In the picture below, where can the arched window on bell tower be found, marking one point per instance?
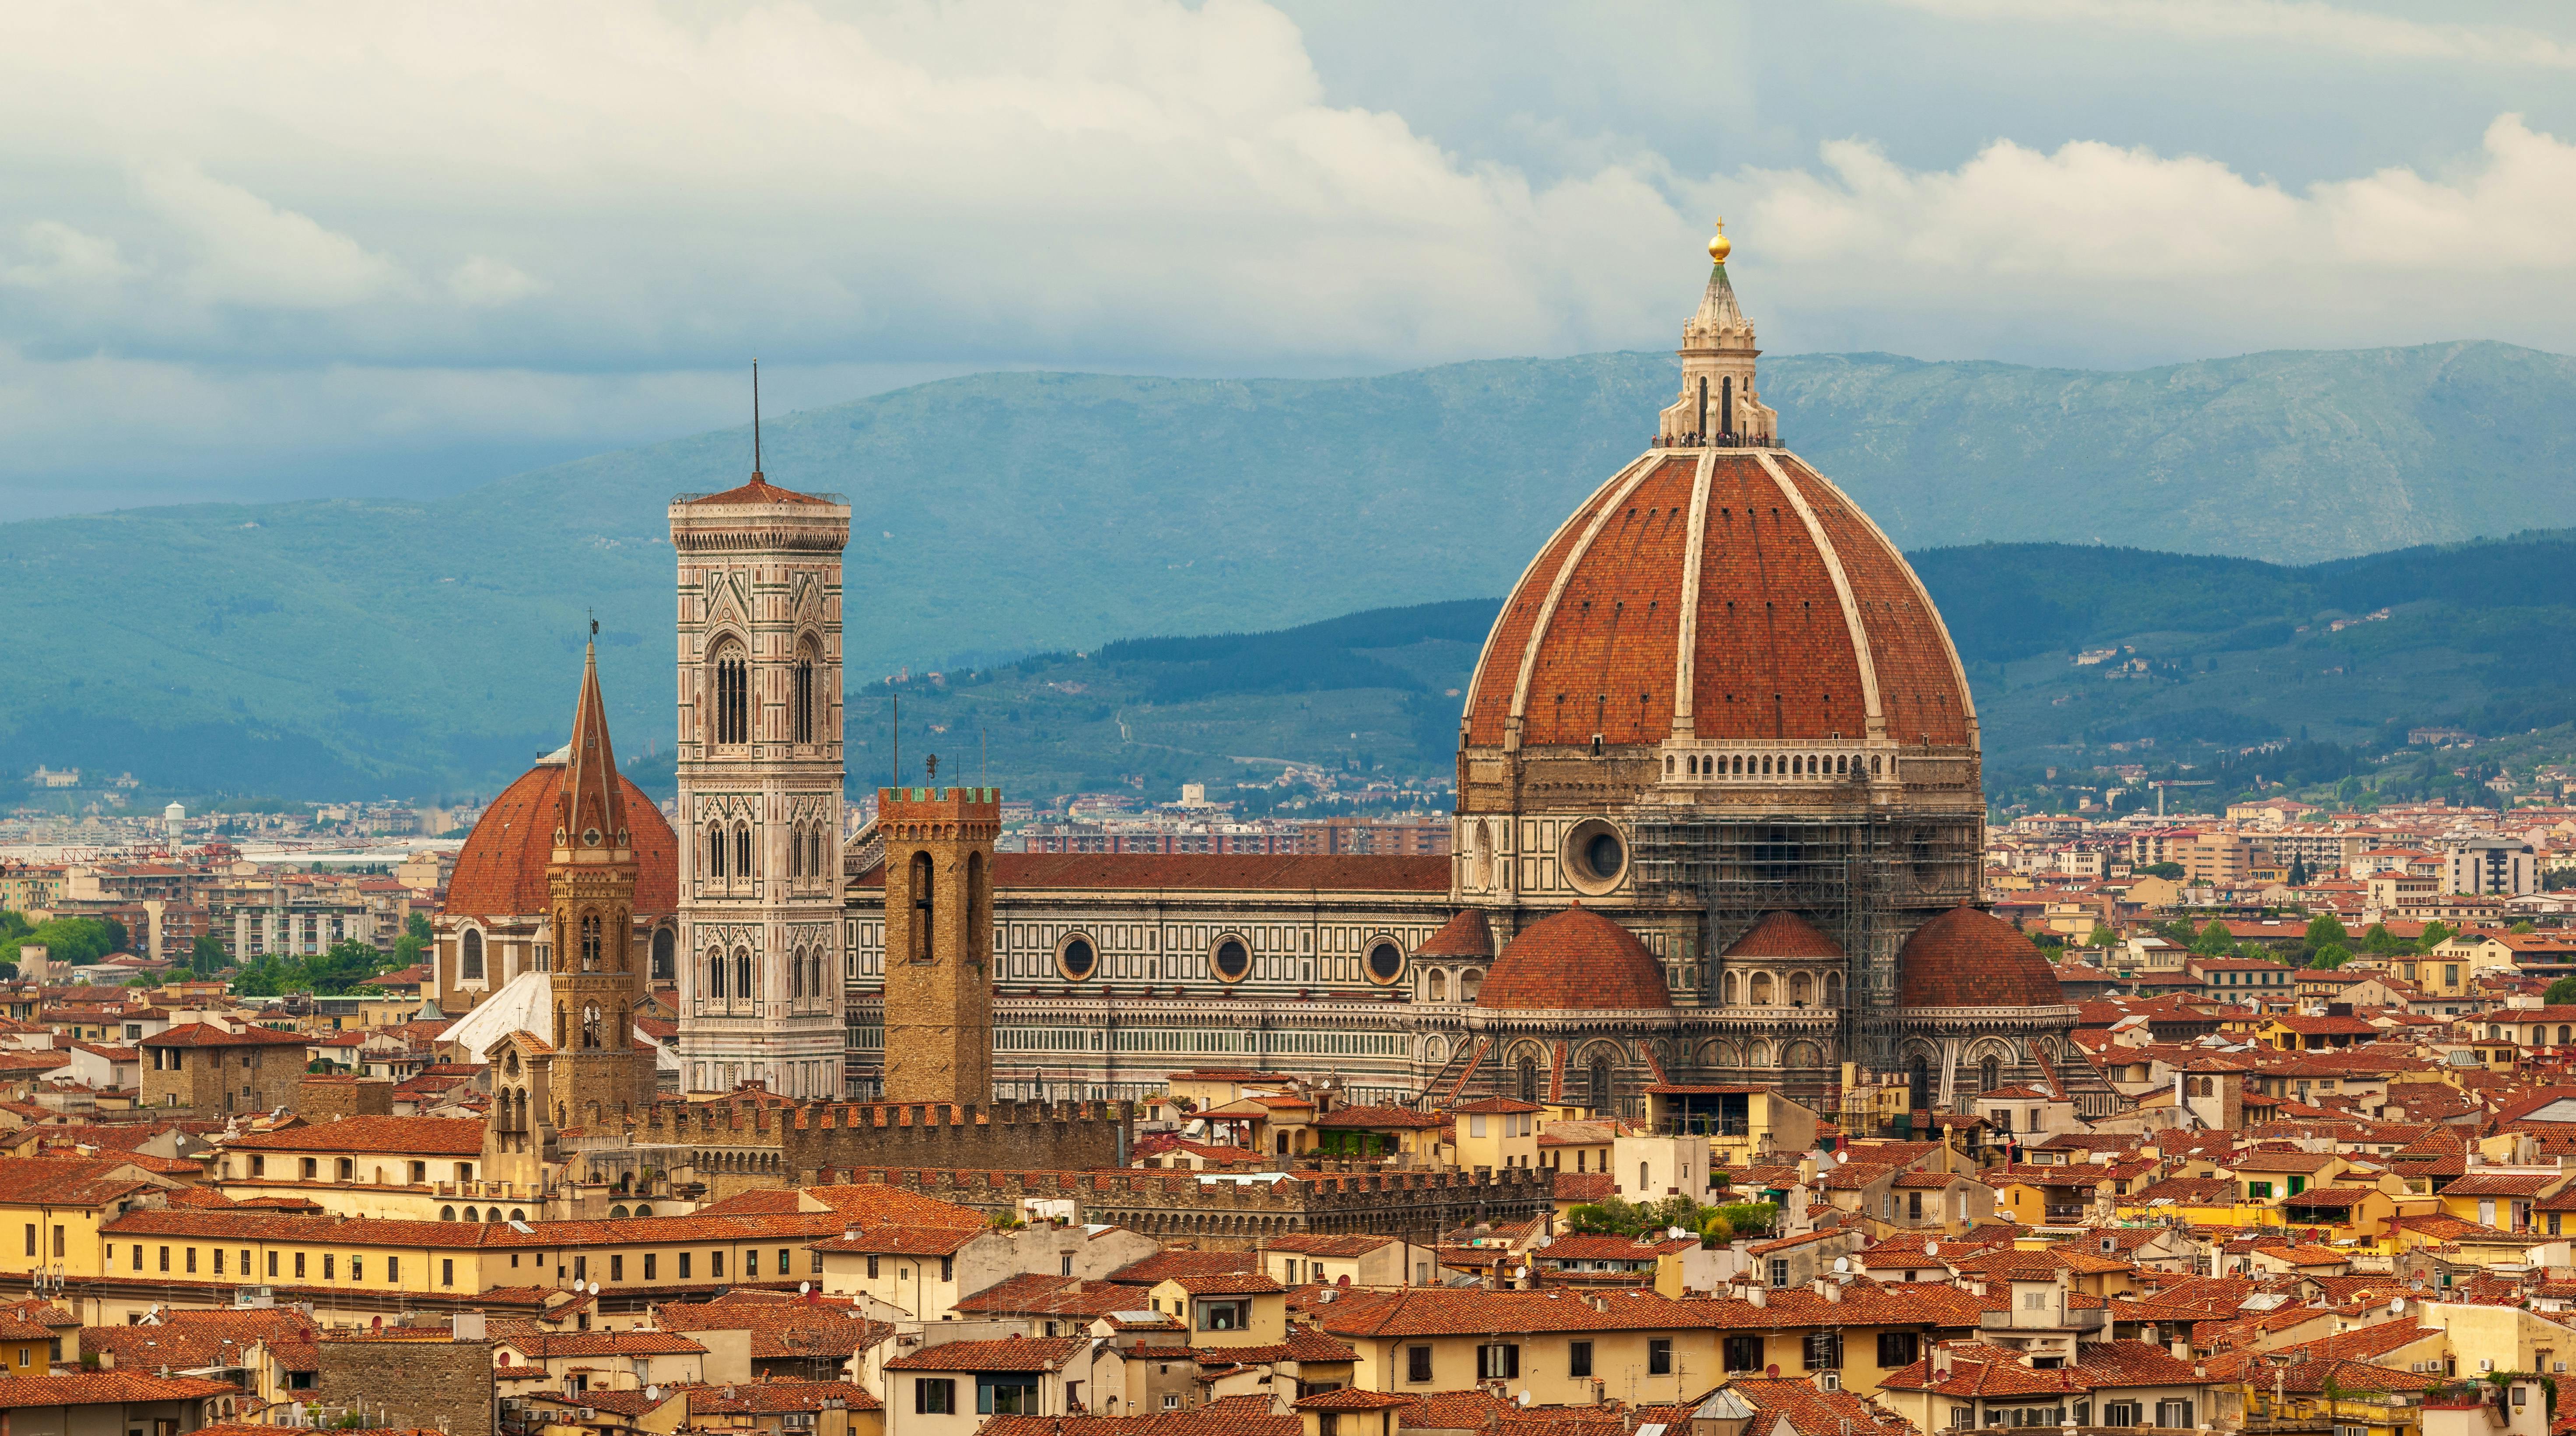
(590, 1025)
(715, 975)
(732, 694)
(716, 852)
(590, 942)
(803, 699)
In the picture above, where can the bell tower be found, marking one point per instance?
(760, 787)
(600, 1073)
(939, 942)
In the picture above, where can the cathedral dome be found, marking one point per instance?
(501, 870)
(1575, 960)
(1719, 589)
(1719, 594)
(1967, 958)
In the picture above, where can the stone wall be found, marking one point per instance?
(412, 1378)
(734, 1145)
(327, 1097)
(1418, 1206)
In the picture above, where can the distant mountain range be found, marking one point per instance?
(355, 647)
(2187, 656)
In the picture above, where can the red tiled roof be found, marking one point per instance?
(435, 1136)
(1966, 958)
(1466, 935)
(1774, 657)
(781, 1325)
(1783, 934)
(107, 1387)
(1575, 960)
(501, 870)
(752, 1398)
(204, 1034)
(757, 491)
(1017, 1353)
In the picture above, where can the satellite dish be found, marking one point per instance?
(804, 1288)
(1544, 1242)
(1524, 1398)
(652, 1393)
(594, 1288)
(1674, 1233)
(2397, 1306)
(1842, 1263)
(1931, 1248)
(1772, 1370)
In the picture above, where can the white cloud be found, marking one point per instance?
(483, 281)
(247, 251)
(52, 254)
(238, 203)
(2177, 245)
(2292, 22)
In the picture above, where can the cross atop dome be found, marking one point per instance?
(1718, 405)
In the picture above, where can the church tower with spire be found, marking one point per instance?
(760, 773)
(598, 1070)
(1718, 405)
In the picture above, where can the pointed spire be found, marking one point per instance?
(755, 421)
(592, 812)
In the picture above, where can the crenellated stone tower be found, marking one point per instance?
(598, 1071)
(939, 942)
(760, 788)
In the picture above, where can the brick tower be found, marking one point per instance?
(760, 788)
(598, 1070)
(939, 942)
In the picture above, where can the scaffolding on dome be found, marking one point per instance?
(1854, 875)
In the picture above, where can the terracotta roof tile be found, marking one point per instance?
(1783, 934)
(1575, 960)
(1967, 958)
(1017, 1353)
(501, 870)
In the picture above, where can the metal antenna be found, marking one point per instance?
(755, 418)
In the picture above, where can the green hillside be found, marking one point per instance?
(359, 647)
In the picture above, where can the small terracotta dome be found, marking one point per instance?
(1466, 935)
(1967, 958)
(1784, 934)
(501, 870)
(1575, 960)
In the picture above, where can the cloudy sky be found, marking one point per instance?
(256, 250)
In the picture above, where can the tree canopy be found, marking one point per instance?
(348, 964)
(76, 940)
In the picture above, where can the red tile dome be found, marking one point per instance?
(1575, 960)
(1783, 934)
(1465, 935)
(501, 870)
(1802, 620)
(1967, 958)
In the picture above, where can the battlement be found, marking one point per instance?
(1222, 1209)
(739, 1142)
(763, 1120)
(939, 812)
